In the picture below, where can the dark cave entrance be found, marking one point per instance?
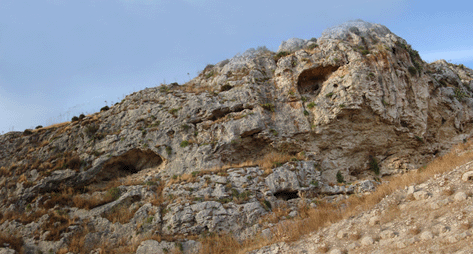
(286, 195)
(310, 81)
(128, 163)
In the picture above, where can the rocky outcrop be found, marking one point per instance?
(262, 130)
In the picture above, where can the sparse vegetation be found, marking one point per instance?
(184, 143)
(311, 105)
(104, 108)
(340, 177)
(280, 55)
(268, 106)
(374, 165)
(312, 46)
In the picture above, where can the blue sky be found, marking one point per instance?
(60, 58)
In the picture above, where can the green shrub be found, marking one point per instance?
(27, 132)
(113, 193)
(329, 95)
(412, 70)
(459, 94)
(311, 105)
(268, 106)
(184, 143)
(267, 205)
(185, 127)
(374, 165)
(168, 150)
(365, 52)
(210, 74)
(104, 108)
(420, 139)
(340, 177)
(81, 116)
(280, 55)
(306, 113)
(75, 118)
(312, 46)
(39, 127)
(314, 183)
(174, 111)
(90, 130)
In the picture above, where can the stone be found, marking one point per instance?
(292, 44)
(367, 240)
(7, 251)
(336, 251)
(460, 196)
(342, 234)
(374, 220)
(467, 176)
(282, 179)
(387, 234)
(426, 235)
(420, 195)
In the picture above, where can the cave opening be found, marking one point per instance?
(131, 162)
(286, 194)
(310, 81)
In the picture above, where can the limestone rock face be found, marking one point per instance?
(323, 116)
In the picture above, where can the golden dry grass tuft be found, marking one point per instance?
(13, 242)
(326, 214)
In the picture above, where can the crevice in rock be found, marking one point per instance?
(286, 194)
(244, 149)
(310, 81)
(128, 163)
(223, 112)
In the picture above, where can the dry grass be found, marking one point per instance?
(121, 213)
(52, 126)
(326, 214)
(91, 202)
(23, 218)
(448, 191)
(414, 230)
(4, 172)
(13, 242)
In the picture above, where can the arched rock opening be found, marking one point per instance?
(286, 194)
(128, 163)
(310, 81)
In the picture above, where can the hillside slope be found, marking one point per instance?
(432, 216)
(250, 141)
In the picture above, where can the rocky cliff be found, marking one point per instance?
(219, 154)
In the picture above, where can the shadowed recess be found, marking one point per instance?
(129, 163)
(286, 194)
(310, 81)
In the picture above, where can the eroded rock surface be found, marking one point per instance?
(320, 119)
